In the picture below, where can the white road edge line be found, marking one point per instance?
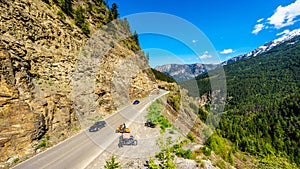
(83, 130)
(131, 121)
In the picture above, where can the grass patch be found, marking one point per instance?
(276, 162)
(96, 118)
(206, 151)
(61, 15)
(221, 164)
(16, 160)
(191, 137)
(76, 128)
(221, 147)
(43, 143)
(154, 113)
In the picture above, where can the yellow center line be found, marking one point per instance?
(113, 121)
(65, 154)
(83, 142)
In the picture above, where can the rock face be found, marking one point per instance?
(41, 62)
(19, 124)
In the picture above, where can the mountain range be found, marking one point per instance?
(182, 72)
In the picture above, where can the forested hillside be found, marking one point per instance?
(263, 103)
(163, 77)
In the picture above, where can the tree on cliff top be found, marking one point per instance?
(66, 6)
(114, 14)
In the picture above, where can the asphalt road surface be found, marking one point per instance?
(81, 149)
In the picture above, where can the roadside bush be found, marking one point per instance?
(85, 27)
(154, 114)
(206, 151)
(180, 152)
(163, 122)
(230, 158)
(42, 144)
(61, 15)
(66, 6)
(184, 153)
(173, 100)
(112, 163)
(191, 137)
(16, 160)
(80, 20)
(187, 154)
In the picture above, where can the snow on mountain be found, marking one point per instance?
(266, 47)
(189, 71)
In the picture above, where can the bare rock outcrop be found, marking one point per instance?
(39, 56)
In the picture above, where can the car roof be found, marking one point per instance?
(100, 122)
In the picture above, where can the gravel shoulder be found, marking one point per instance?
(134, 155)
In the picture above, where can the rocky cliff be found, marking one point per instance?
(43, 64)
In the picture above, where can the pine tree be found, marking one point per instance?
(112, 164)
(66, 6)
(79, 18)
(46, 1)
(136, 38)
(114, 11)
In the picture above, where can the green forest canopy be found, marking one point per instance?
(263, 102)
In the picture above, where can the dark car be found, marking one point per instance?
(98, 125)
(136, 102)
(149, 123)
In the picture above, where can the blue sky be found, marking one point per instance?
(198, 31)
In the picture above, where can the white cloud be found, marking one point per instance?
(205, 55)
(282, 17)
(261, 19)
(226, 51)
(283, 32)
(194, 41)
(285, 16)
(258, 28)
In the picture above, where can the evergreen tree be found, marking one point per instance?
(66, 6)
(136, 38)
(79, 18)
(112, 164)
(262, 110)
(46, 1)
(99, 2)
(114, 11)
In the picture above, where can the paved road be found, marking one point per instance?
(80, 150)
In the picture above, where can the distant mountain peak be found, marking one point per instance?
(288, 36)
(181, 72)
(266, 47)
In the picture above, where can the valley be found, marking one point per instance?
(71, 72)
